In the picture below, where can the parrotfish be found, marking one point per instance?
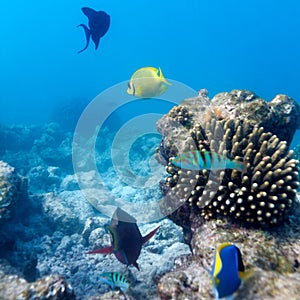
(227, 271)
(199, 160)
(126, 238)
(99, 22)
(147, 82)
(115, 280)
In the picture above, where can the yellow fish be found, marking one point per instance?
(147, 82)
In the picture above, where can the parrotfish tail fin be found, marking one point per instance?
(87, 36)
(147, 237)
(106, 250)
(162, 77)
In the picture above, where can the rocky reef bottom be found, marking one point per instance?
(272, 256)
(47, 226)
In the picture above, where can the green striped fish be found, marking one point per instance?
(115, 280)
(199, 160)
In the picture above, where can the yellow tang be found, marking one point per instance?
(147, 82)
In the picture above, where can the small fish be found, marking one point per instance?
(115, 280)
(228, 271)
(126, 238)
(99, 22)
(199, 160)
(147, 82)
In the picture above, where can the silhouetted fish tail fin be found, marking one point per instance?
(87, 35)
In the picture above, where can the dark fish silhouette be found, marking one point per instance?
(99, 22)
(126, 238)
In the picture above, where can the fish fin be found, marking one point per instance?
(147, 237)
(89, 12)
(105, 250)
(96, 40)
(136, 265)
(162, 77)
(121, 256)
(162, 89)
(246, 274)
(87, 36)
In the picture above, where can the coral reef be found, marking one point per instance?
(25, 147)
(52, 231)
(48, 288)
(49, 230)
(280, 116)
(260, 196)
(12, 188)
(271, 256)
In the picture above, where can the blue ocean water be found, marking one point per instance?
(46, 86)
(217, 45)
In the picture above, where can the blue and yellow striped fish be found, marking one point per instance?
(115, 280)
(199, 160)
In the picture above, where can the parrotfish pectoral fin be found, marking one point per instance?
(147, 237)
(87, 35)
(106, 250)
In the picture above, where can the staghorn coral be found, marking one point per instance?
(261, 196)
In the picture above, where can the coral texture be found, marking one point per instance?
(262, 195)
(48, 287)
(272, 257)
(12, 186)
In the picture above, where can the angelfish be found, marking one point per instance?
(228, 271)
(99, 22)
(126, 238)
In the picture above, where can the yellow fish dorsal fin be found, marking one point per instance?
(218, 261)
(161, 76)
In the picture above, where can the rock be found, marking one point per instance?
(12, 188)
(272, 256)
(281, 115)
(43, 178)
(67, 211)
(69, 183)
(48, 288)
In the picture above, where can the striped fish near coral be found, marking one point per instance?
(228, 271)
(115, 280)
(199, 160)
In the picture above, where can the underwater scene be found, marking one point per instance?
(150, 150)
